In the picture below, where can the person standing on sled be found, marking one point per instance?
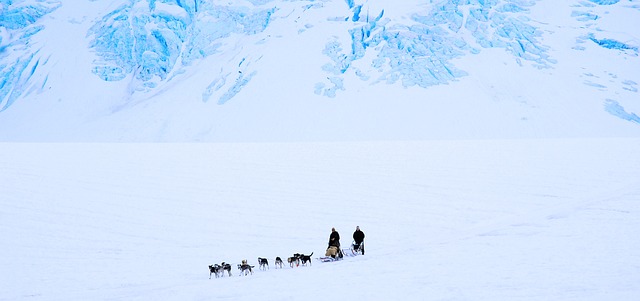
(334, 244)
(358, 238)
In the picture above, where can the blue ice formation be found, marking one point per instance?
(595, 85)
(604, 2)
(421, 54)
(615, 109)
(148, 43)
(590, 16)
(240, 82)
(584, 16)
(19, 59)
(350, 3)
(612, 44)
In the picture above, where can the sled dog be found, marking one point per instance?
(263, 263)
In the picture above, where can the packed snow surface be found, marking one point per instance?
(444, 220)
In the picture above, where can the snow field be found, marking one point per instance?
(445, 220)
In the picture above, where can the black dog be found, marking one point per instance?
(263, 263)
(279, 262)
(214, 269)
(306, 258)
(225, 267)
(295, 259)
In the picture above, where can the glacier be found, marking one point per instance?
(153, 42)
(18, 24)
(421, 54)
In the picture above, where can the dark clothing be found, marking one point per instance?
(358, 236)
(358, 239)
(334, 239)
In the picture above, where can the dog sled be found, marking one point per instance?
(333, 254)
(356, 249)
(329, 258)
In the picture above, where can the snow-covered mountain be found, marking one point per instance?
(267, 70)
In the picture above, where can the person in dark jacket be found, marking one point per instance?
(334, 238)
(334, 244)
(358, 238)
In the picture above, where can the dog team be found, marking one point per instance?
(297, 259)
(333, 250)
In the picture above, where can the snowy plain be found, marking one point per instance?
(541, 219)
